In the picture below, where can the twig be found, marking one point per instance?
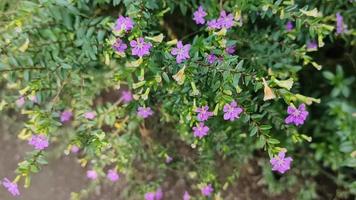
(22, 69)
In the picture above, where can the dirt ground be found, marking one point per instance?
(56, 181)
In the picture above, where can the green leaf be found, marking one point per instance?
(265, 127)
(273, 141)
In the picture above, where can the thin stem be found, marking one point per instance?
(22, 69)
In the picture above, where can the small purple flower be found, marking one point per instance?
(139, 47)
(186, 196)
(91, 174)
(182, 52)
(74, 149)
(207, 190)
(226, 20)
(296, 116)
(203, 113)
(39, 142)
(11, 187)
(232, 111)
(159, 194)
(211, 58)
(214, 24)
(66, 116)
(280, 163)
(119, 46)
(112, 175)
(144, 112)
(20, 101)
(126, 96)
(124, 23)
(169, 159)
(199, 15)
(230, 49)
(289, 26)
(340, 27)
(90, 115)
(200, 130)
(33, 98)
(150, 196)
(312, 46)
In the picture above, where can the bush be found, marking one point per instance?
(168, 87)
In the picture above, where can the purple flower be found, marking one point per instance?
(289, 26)
(312, 46)
(207, 190)
(126, 96)
(280, 163)
(39, 142)
(182, 52)
(214, 24)
(90, 115)
(124, 23)
(232, 111)
(340, 27)
(199, 15)
(119, 46)
(186, 196)
(66, 116)
(11, 187)
(20, 101)
(112, 175)
(211, 58)
(159, 194)
(225, 20)
(150, 196)
(169, 159)
(91, 174)
(74, 149)
(144, 112)
(230, 49)
(140, 47)
(296, 116)
(200, 130)
(203, 113)
(33, 98)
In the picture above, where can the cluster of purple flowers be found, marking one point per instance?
(207, 190)
(157, 195)
(90, 115)
(139, 47)
(231, 113)
(111, 175)
(144, 112)
(296, 116)
(22, 100)
(66, 116)
(39, 142)
(225, 20)
(126, 96)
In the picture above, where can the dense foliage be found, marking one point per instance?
(156, 87)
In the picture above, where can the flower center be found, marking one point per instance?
(296, 113)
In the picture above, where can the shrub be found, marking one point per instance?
(137, 83)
